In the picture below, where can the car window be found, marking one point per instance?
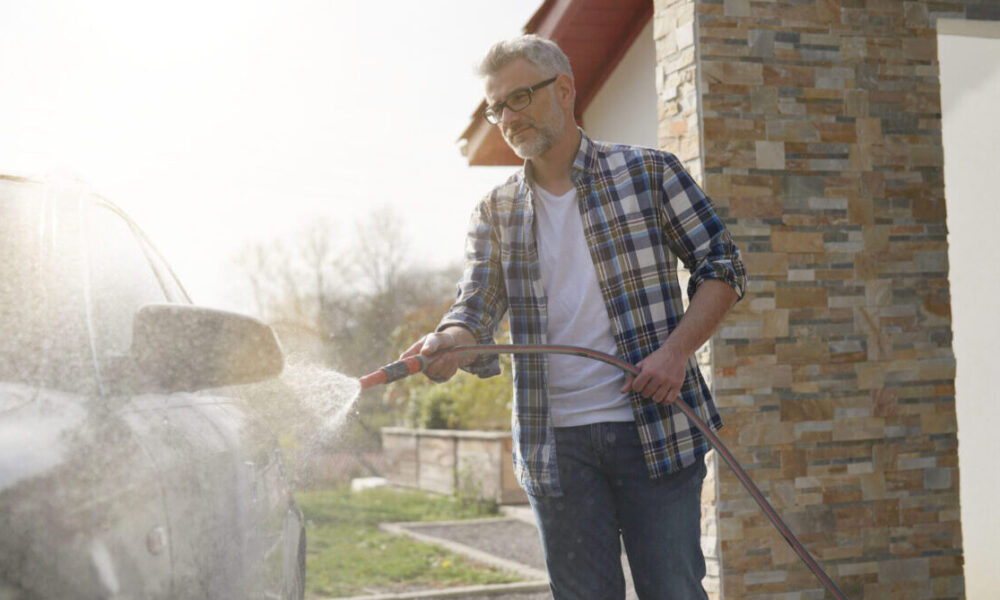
(121, 280)
(171, 286)
(73, 273)
(43, 325)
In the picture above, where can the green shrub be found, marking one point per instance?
(464, 402)
(437, 409)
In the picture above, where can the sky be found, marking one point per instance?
(218, 124)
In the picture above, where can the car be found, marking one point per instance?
(130, 464)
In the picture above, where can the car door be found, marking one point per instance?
(194, 450)
(220, 475)
(82, 510)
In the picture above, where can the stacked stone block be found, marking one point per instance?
(676, 82)
(817, 124)
(679, 132)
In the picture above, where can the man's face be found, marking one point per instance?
(534, 130)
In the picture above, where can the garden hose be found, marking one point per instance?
(417, 363)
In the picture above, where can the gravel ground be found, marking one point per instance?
(511, 539)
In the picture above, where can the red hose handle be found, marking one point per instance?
(395, 371)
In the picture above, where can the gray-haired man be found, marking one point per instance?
(579, 248)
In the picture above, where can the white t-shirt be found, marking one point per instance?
(581, 390)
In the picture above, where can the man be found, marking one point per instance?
(580, 248)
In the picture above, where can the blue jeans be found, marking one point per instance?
(608, 493)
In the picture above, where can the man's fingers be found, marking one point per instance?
(640, 382)
(674, 394)
(652, 385)
(660, 395)
(437, 378)
(414, 348)
(647, 385)
(436, 342)
(443, 367)
(440, 371)
(629, 378)
(430, 344)
(667, 394)
(663, 395)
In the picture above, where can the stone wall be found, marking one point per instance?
(817, 126)
(676, 82)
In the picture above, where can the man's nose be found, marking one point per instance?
(508, 114)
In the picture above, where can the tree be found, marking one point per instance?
(343, 300)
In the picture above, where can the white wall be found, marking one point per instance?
(624, 110)
(969, 54)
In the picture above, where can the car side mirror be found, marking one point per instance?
(179, 347)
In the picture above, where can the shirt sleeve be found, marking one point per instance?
(697, 234)
(482, 298)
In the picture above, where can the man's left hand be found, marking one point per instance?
(661, 375)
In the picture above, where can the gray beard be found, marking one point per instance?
(547, 134)
(543, 142)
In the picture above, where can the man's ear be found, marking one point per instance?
(565, 90)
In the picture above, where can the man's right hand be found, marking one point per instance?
(443, 368)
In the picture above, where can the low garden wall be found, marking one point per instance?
(472, 463)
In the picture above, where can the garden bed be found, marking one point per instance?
(467, 463)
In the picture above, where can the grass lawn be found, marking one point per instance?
(347, 555)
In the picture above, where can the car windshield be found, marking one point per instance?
(72, 274)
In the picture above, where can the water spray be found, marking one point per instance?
(417, 363)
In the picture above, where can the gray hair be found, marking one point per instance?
(541, 52)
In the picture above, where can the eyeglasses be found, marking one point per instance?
(517, 101)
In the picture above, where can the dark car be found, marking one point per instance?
(125, 472)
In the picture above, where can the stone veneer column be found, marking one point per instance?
(679, 133)
(817, 124)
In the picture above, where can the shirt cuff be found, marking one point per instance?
(725, 272)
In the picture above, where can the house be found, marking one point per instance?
(815, 126)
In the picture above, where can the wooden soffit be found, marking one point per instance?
(594, 34)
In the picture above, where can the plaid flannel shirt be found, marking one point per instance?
(640, 211)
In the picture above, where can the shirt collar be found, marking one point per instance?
(586, 158)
